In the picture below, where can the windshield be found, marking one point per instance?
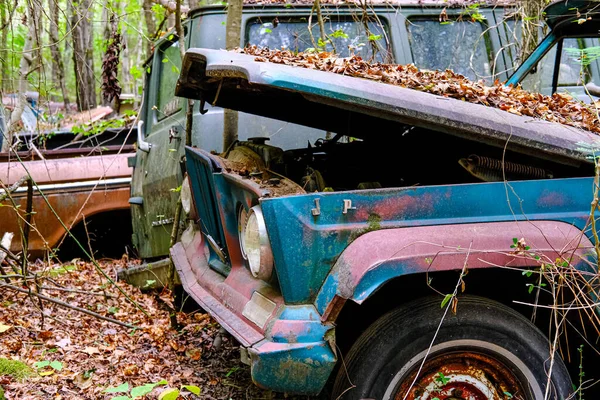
(570, 66)
(431, 40)
(344, 37)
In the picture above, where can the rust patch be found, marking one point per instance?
(462, 376)
(333, 309)
(276, 185)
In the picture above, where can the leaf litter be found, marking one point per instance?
(559, 107)
(76, 356)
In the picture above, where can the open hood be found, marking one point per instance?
(359, 107)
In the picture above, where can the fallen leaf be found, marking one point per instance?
(91, 350)
(44, 335)
(4, 328)
(63, 343)
(82, 382)
(130, 370)
(194, 353)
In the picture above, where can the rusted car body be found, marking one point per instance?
(70, 187)
(276, 264)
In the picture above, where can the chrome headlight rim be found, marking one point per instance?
(186, 195)
(261, 267)
(242, 219)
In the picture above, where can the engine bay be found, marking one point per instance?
(412, 157)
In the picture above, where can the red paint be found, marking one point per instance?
(448, 245)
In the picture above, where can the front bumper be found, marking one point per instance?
(293, 354)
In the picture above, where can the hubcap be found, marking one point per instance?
(461, 376)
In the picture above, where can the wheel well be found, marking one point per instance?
(500, 284)
(108, 234)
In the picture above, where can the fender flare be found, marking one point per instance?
(379, 256)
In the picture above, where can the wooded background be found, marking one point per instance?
(85, 53)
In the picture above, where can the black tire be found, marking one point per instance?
(484, 335)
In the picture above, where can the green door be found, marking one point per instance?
(157, 172)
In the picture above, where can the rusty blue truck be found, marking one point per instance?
(340, 265)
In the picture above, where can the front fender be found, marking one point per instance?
(379, 256)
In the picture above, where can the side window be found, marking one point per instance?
(345, 37)
(170, 64)
(460, 46)
(574, 63)
(576, 57)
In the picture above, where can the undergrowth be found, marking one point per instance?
(17, 369)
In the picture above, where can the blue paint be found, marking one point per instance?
(531, 61)
(299, 368)
(305, 247)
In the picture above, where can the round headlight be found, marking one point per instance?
(255, 245)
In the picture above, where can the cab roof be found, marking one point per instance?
(564, 12)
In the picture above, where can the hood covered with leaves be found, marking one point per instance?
(559, 108)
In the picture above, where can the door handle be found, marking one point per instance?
(141, 143)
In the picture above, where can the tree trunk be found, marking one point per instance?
(532, 15)
(83, 55)
(3, 43)
(25, 68)
(58, 67)
(150, 24)
(232, 40)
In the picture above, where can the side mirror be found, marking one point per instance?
(141, 143)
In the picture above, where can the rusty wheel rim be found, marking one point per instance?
(462, 375)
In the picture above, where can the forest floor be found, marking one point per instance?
(48, 351)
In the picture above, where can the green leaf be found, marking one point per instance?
(121, 398)
(191, 388)
(267, 30)
(135, 72)
(447, 298)
(57, 365)
(143, 390)
(373, 37)
(41, 364)
(530, 290)
(339, 34)
(515, 240)
(165, 60)
(169, 394)
(161, 382)
(122, 388)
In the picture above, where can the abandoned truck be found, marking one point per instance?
(327, 254)
(401, 31)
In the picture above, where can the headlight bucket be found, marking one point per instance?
(255, 245)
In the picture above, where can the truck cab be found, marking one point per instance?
(402, 32)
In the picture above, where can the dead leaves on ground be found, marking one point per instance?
(559, 108)
(79, 357)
